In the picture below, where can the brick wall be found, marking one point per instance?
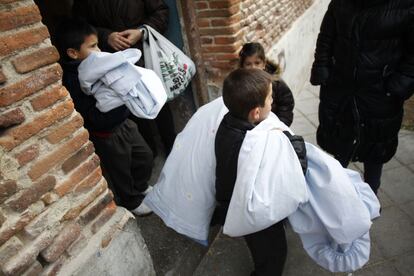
(226, 24)
(53, 198)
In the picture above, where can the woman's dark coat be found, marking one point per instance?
(118, 15)
(364, 62)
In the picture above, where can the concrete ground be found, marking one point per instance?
(392, 235)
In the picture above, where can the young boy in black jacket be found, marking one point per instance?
(247, 93)
(126, 159)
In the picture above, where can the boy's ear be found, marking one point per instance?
(254, 115)
(72, 53)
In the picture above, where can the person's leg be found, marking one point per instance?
(372, 175)
(145, 128)
(115, 153)
(142, 159)
(268, 249)
(166, 128)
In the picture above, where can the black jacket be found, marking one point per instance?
(118, 15)
(364, 62)
(228, 141)
(283, 102)
(94, 120)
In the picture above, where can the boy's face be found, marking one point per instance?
(89, 45)
(254, 62)
(265, 110)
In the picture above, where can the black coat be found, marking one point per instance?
(283, 102)
(118, 15)
(364, 62)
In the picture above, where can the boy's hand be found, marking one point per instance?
(118, 42)
(132, 35)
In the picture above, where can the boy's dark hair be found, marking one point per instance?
(251, 49)
(245, 89)
(71, 33)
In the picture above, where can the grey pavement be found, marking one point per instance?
(392, 234)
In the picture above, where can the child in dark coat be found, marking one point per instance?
(126, 159)
(247, 93)
(252, 55)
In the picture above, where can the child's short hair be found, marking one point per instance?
(251, 49)
(245, 89)
(71, 33)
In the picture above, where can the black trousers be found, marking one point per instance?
(165, 125)
(127, 162)
(269, 249)
(372, 173)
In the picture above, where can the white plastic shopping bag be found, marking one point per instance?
(173, 67)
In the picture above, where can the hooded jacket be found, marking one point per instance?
(364, 62)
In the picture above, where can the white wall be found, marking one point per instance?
(294, 51)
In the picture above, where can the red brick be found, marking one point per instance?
(11, 118)
(203, 22)
(50, 198)
(34, 270)
(13, 227)
(226, 21)
(77, 176)
(224, 65)
(17, 135)
(53, 269)
(9, 249)
(232, 48)
(219, 12)
(65, 130)
(7, 189)
(226, 39)
(30, 85)
(48, 97)
(37, 59)
(69, 234)
(18, 17)
(228, 57)
(206, 40)
(106, 214)
(27, 256)
(32, 194)
(223, 4)
(76, 159)
(58, 155)
(77, 245)
(83, 200)
(201, 5)
(22, 40)
(3, 77)
(229, 30)
(89, 182)
(95, 208)
(28, 154)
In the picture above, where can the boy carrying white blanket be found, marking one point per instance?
(331, 208)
